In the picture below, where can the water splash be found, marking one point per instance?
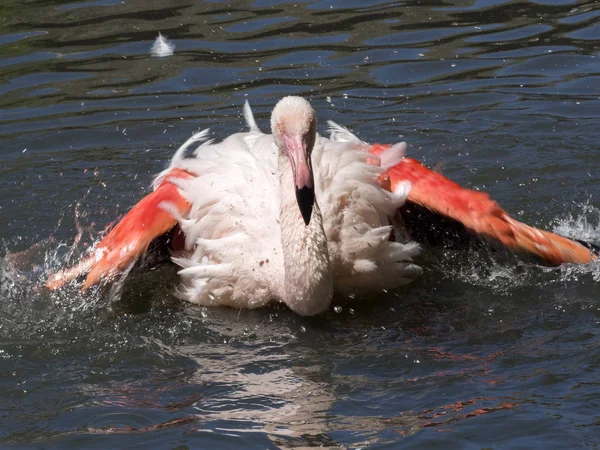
(583, 225)
(505, 274)
(27, 308)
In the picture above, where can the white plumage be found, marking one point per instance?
(260, 224)
(162, 47)
(246, 243)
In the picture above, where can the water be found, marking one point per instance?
(479, 353)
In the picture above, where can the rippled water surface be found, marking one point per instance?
(479, 353)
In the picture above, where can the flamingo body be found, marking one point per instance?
(254, 230)
(233, 253)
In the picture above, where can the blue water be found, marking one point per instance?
(481, 352)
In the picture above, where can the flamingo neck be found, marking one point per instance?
(308, 273)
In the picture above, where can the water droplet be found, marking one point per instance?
(338, 309)
(303, 329)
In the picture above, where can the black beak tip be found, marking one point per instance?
(306, 199)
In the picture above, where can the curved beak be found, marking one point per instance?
(303, 175)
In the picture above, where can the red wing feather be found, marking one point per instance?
(130, 238)
(481, 215)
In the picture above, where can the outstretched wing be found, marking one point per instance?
(129, 239)
(461, 209)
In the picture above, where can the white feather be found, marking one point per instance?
(233, 249)
(232, 224)
(358, 211)
(392, 155)
(249, 117)
(162, 47)
(339, 133)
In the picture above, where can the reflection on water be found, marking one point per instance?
(501, 96)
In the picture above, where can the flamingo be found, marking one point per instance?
(292, 216)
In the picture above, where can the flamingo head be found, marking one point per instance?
(293, 124)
